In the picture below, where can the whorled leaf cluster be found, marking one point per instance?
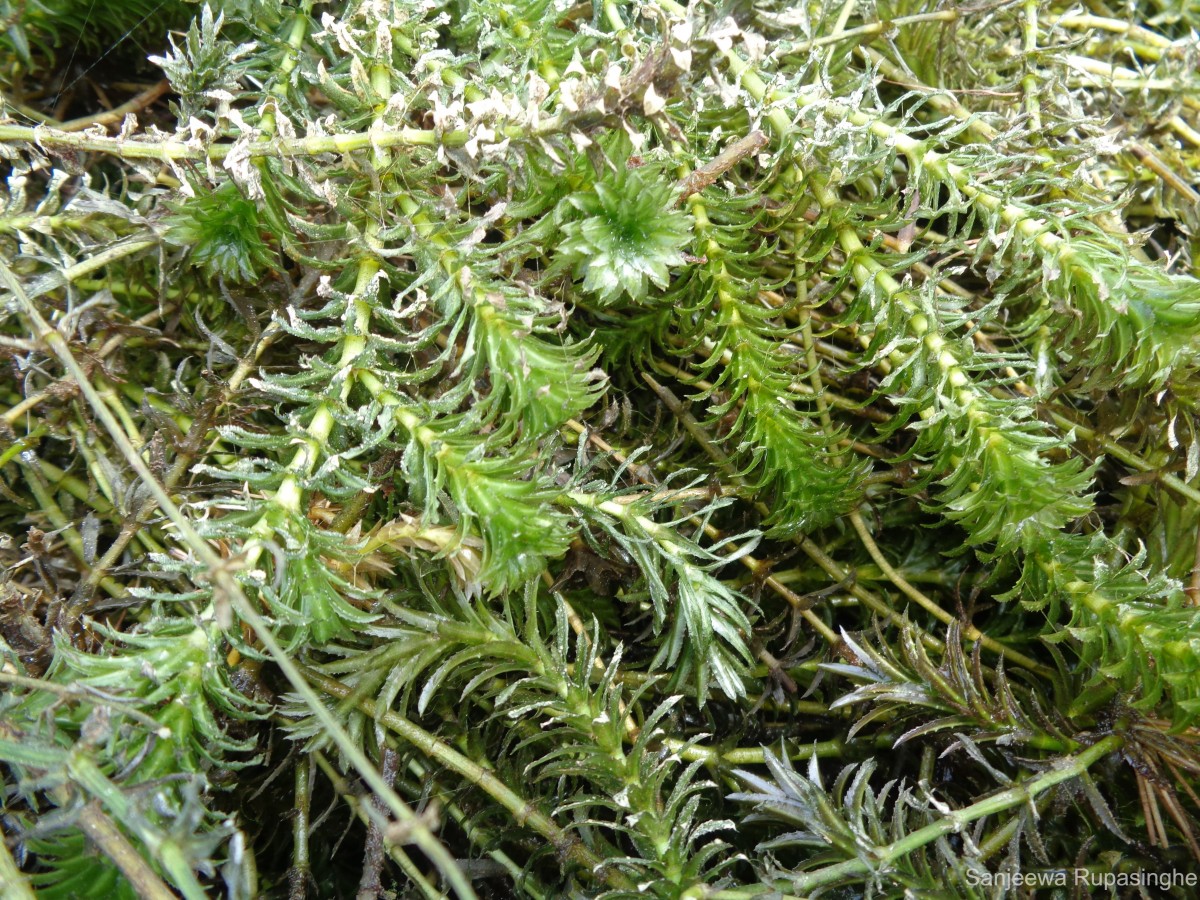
(599, 449)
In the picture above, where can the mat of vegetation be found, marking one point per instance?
(542, 449)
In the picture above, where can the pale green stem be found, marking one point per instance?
(478, 837)
(744, 756)
(300, 871)
(10, 876)
(955, 822)
(810, 351)
(75, 487)
(105, 390)
(871, 29)
(1029, 84)
(970, 632)
(944, 102)
(173, 149)
(27, 404)
(50, 508)
(101, 831)
(613, 15)
(289, 495)
(524, 813)
(1122, 79)
(1115, 450)
(295, 41)
(96, 261)
(1085, 22)
(228, 592)
(402, 859)
(83, 448)
(847, 10)
(86, 773)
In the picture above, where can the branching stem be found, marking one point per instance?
(523, 813)
(229, 589)
(970, 632)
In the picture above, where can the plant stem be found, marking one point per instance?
(1029, 83)
(355, 802)
(1086, 22)
(229, 591)
(970, 632)
(1114, 449)
(956, 821)
(300, 871)
(804, 883)
(130, 247)
(742, 756)
(524, 814)
(173, 150)
(101, 831)
(478, 836)
(871, 30)
(118, 113)
(11, 877)
(369, 884)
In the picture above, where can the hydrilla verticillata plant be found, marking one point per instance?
(598, 449)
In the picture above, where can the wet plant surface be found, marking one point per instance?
(537, 449)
